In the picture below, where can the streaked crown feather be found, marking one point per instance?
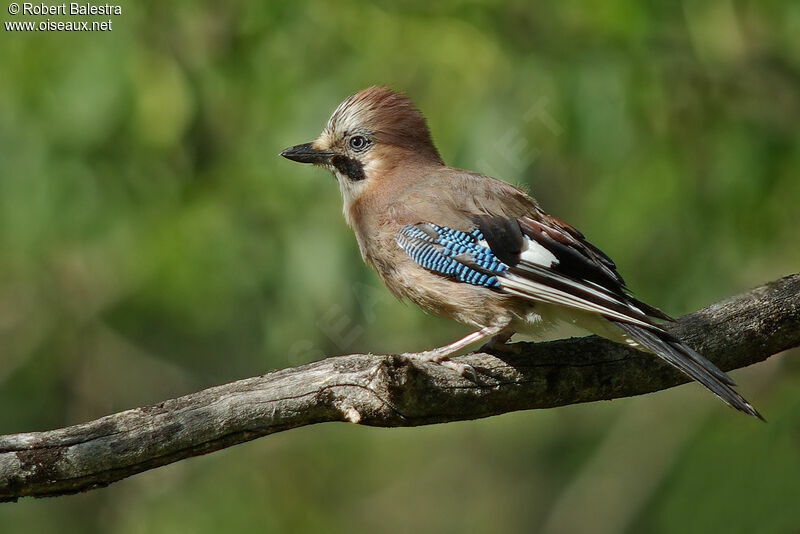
(390, 116)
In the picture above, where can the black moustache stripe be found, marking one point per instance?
(349, 167)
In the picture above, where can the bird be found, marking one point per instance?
(476, 249)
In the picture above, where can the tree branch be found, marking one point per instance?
(388, 391)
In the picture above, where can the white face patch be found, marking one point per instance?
(350, 190)
(535, 253)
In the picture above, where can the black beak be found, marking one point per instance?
(305, 153)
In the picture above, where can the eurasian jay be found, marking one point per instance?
(476, 249)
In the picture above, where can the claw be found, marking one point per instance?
(463, 369)
(499, 343)
(442, 354)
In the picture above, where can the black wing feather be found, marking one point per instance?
(585, 278)
(503, 235)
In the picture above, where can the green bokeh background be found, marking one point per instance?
(152, 244)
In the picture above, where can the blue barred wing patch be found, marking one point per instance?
(459, 255)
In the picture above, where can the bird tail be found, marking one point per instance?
(688, 361)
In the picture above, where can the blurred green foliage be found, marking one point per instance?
(152, 243)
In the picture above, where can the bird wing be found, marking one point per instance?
(460, 256)
(529, 258)
(539, 258)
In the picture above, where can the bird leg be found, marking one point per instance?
(499, 343)
(441, 354)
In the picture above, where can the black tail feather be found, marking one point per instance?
(683, 349)
(688, 361)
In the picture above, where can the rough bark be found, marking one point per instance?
(388, 391)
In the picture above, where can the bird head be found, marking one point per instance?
(372, 132)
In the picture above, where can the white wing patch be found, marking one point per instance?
(633, 343)
(537, 254)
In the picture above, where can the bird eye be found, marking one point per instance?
(358, 142)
